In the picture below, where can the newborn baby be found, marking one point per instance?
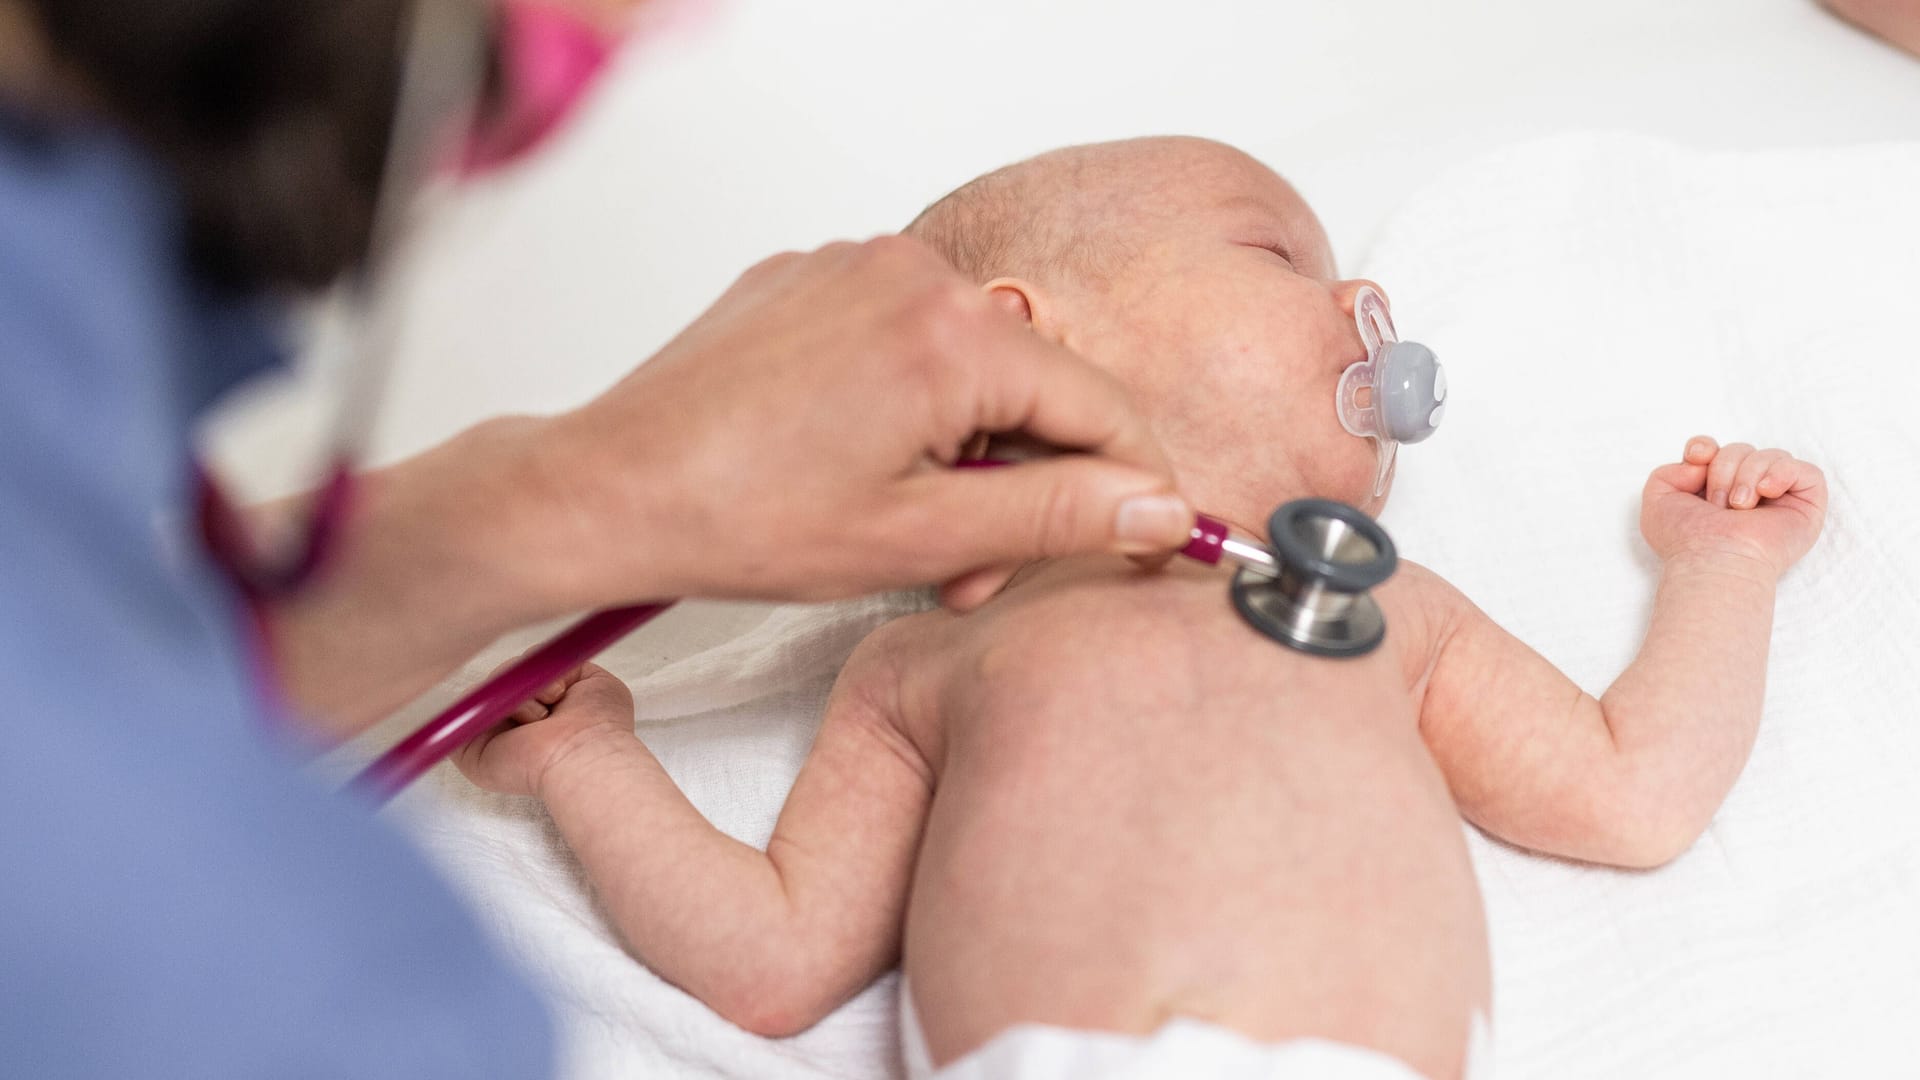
(1100, 818)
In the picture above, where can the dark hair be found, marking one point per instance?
(271, 115)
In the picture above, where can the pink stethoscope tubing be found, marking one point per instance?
(496, 699)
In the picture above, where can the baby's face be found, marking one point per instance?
(1221, 312)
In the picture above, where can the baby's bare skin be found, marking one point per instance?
(1101, 800)
(1143, 810)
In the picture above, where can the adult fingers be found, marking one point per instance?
(964, 520)
(1046, 391)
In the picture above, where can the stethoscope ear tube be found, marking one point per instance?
(495, 699)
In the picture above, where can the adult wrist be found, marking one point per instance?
(482, 507)
(612, 493)
(427, 574)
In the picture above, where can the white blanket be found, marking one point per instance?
(1597, 300)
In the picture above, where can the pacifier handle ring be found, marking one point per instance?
(1375, 319)
(1312, 565)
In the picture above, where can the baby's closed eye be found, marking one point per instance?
(1276, 248)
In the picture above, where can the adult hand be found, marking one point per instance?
(798, 441)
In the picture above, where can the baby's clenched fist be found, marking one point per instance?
(1734, 500)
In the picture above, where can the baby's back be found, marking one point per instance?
(1144, 809)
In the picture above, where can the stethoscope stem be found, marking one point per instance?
(1213, 543)
(1249, 555)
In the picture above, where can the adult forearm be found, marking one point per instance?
(1684, 715)
(792, 443)
(444, 552)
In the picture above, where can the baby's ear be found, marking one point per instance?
(1013, 296)
(1043, 312)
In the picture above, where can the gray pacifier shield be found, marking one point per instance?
(1413, 394)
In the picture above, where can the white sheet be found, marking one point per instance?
(1597, 299)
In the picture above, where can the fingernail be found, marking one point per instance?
(1151, 523)
(1741, 494)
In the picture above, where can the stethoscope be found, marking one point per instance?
(1308, 591)
(1308, 588)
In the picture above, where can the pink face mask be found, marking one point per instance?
(545, 60)
(530, 65)
(546, 57)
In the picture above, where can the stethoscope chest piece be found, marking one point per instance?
(1329, 556)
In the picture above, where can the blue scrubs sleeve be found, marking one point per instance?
(176, 899)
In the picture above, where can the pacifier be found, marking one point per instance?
(1398, 394)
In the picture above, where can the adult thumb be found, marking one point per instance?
(1059, 506)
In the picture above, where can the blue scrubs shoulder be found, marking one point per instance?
(176, 900)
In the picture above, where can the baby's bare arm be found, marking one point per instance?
(1628, 779)
(1631, 778)
(772, 940)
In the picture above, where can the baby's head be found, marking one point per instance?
(1204, 283)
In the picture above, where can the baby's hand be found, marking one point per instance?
(585, 708)
(1763, 504)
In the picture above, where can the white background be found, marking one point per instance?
(775, 124)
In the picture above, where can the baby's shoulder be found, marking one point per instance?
(1421, 607)
(893, 645)
(899, 660)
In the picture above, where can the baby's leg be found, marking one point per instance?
(773, 940)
